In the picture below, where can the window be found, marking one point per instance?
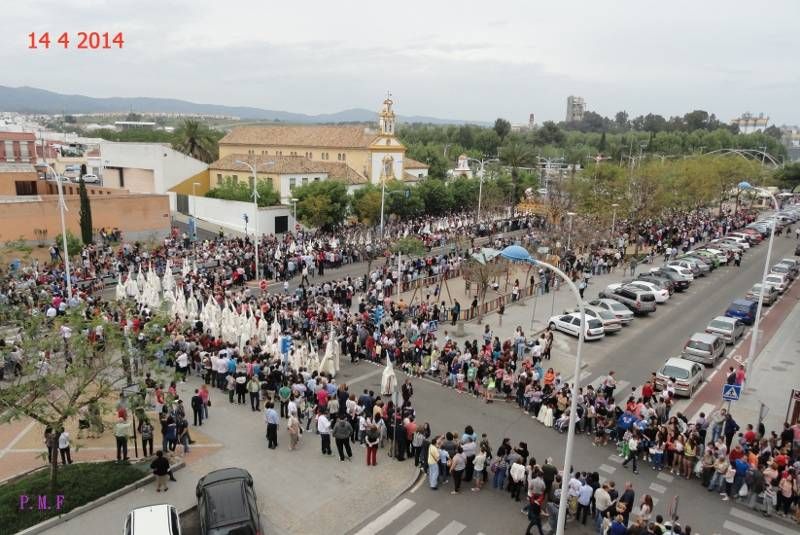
(269, 181)
(339, 156)
(305, 180)
(292, 183)
(293, 153)
(344, 156)
(9, 151)
(219, 179)
(316, 179)
(251, 152)
(23, 152)
(279, 153)
(263, 152)
(235, 179)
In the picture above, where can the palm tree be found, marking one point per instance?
(516, 155)
(197, 140)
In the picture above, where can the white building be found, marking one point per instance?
(576, 107)
(146, 167)
(750, 124)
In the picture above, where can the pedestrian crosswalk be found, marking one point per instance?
(745, 522)
(406, 518)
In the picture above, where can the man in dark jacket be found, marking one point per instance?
(729, 428)
(342, 432)
(197, 408)
(160, 467)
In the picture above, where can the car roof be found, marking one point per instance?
(744, 302)
(226, 502)
(224, 474)
(679, 362)
(152, 519)
(704, 337)
(726, 319)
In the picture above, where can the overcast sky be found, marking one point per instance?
(467, 59)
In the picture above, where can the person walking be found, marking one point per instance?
(197, 408)
(160, 467)
(633, 451)
(63, 447)
(534, 516)
(342, 431)
(146, 431)
(271, 418)
(324, 430)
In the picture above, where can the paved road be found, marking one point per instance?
(634, 353)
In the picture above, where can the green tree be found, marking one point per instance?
(409, 246)
(85, 214)
(322, 204)
(240, 191)
(366, 204)
(788, 176)
(74, 245)
(197, 140)
(515, 154)
(54, 398)
(549, 134)
(602, 145)
(502, 128)
(464, 192)
(621, 120)
(436, 196)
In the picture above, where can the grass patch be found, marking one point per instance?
(78, 484)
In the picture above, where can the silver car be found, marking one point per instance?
(620, 311)
(727, 328)
(704, 348)
(686, 374)
(770, 293)
(611, 323)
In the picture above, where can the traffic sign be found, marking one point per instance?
(731, 392)
(263, 285)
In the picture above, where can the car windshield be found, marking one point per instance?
(595, 324)
(677, 373)
(721, 325)
(233, 530)
(619, 307)
(774, 279)
(694, 344)
(647, 297)
(741, 308)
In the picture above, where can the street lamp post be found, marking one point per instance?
(569, 236)
(614, 219)
(255, 211)
(754, 337)
(482, 163)
(294, 208)
(517, 253)
(63, 206)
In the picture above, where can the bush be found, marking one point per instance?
(74, 244)
(78, 483)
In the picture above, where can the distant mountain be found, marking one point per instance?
(33, 100)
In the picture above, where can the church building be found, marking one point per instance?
(293, 155)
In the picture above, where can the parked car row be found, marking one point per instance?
(686, 372)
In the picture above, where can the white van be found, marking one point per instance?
(160, 519)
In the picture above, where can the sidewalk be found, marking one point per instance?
(297, 490)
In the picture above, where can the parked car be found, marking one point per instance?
(153, 520)
(704, 348)
(741, 242)
(611, 323)
(639, 301)
(729, 329)
(770, 293)
(698, 267)
(785, 270)
(685, 264)
(686, 272)
(680, 280)
(792, 263)
(687, 376)
(743, 309)
(571, 324)
(226, 503)
(89, 179)
(659, 280)
(750, 237)
(707, 256)
(754, 235)
(779, 280)
(620, 311)
(720, 255)
(661, 293)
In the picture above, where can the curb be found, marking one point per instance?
(53, 522)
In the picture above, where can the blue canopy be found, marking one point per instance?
(516, 253)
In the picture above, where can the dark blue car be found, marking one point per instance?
(743, 309)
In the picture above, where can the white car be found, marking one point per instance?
(89, 179)
(687, 273)
(662, 294)
(779, 281)
(611, 323)
(571, 324)
(162, 519)
(721, 255)
(620, 311)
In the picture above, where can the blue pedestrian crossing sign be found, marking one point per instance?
(731, 392)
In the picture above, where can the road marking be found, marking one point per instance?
(453, 528)
(761, 521)
(418, 485)
(655, 487)
(419, 523)
(615, 458)
(607, 469)
(387, 517)
(711, 377)
(738, 528)
(655, 501)
(665, 477)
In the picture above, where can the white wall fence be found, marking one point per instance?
(229, 214)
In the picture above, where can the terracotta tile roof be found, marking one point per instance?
(410, 163)
(285, 165)
(300, 136)
(6, 167)
(17, 136)
(408, 177)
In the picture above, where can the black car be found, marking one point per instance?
(664, 282)
(680, 283)
(226, 503)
